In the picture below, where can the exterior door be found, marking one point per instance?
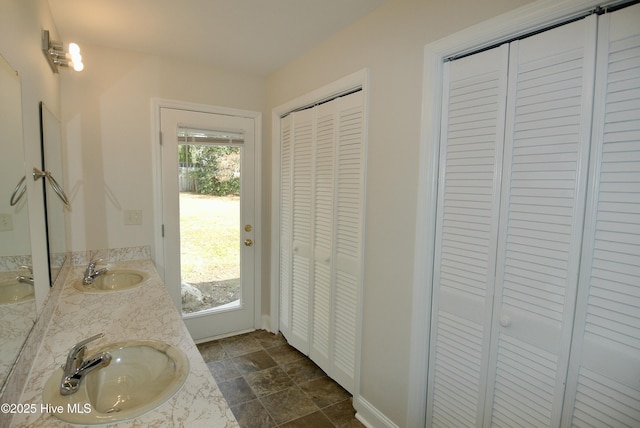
(208, 214)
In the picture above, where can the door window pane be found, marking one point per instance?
(209, 185)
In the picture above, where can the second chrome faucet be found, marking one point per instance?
(91, 273)
(76, 367)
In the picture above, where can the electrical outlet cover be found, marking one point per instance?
(133, 217)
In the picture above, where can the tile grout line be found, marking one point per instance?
(255, 344)
(295, 384)
(320, 409)
(241, 375)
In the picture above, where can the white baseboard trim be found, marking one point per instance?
(266, 324)
(370, 416)
(223, 336)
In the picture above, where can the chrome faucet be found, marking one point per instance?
(91, 273)
(26, 279)
(77, 367)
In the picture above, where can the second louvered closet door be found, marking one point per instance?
(603, 386)
(322, 213)
(467, 228)
(513, 175)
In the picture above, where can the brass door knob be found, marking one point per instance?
(248, 242)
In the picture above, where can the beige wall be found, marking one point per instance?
(107, 127)
(390, 43)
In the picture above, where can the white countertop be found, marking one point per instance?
(144, 312)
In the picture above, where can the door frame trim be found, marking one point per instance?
(157, 250)
(523, 20)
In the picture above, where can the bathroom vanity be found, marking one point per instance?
(143, 312)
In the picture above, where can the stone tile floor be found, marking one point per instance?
(268, 383)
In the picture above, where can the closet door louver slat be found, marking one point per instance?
(468, 204)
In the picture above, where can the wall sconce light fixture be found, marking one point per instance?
(57, 57)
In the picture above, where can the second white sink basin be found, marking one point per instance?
(142, 375)
(12, 291)
(114, 280)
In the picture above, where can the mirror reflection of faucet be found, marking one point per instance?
(92, 273)
(76, 367)
(26, 279)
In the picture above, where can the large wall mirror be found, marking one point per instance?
(56, 201)
(17, 303)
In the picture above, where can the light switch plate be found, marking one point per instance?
(6, 222)
(133, 217)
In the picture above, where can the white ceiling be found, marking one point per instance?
(255, 36)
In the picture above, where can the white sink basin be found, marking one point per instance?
(12, 291)
(142, 375)
(114, 280)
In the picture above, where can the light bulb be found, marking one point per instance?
(74, 49)
(78, 66)
(73, 57)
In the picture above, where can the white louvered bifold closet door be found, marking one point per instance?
(323, 170)
(551, 77)
(285, 224)
(323, 234)
(349, 224)
(511, 201)
(302, 191)
(603, 388)
(468, 203)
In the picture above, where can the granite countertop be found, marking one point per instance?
(144, 312)
(16, 320)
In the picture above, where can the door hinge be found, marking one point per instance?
(160, 137)
(162, 230)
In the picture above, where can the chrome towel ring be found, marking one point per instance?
(37, 173)
(18, 193)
